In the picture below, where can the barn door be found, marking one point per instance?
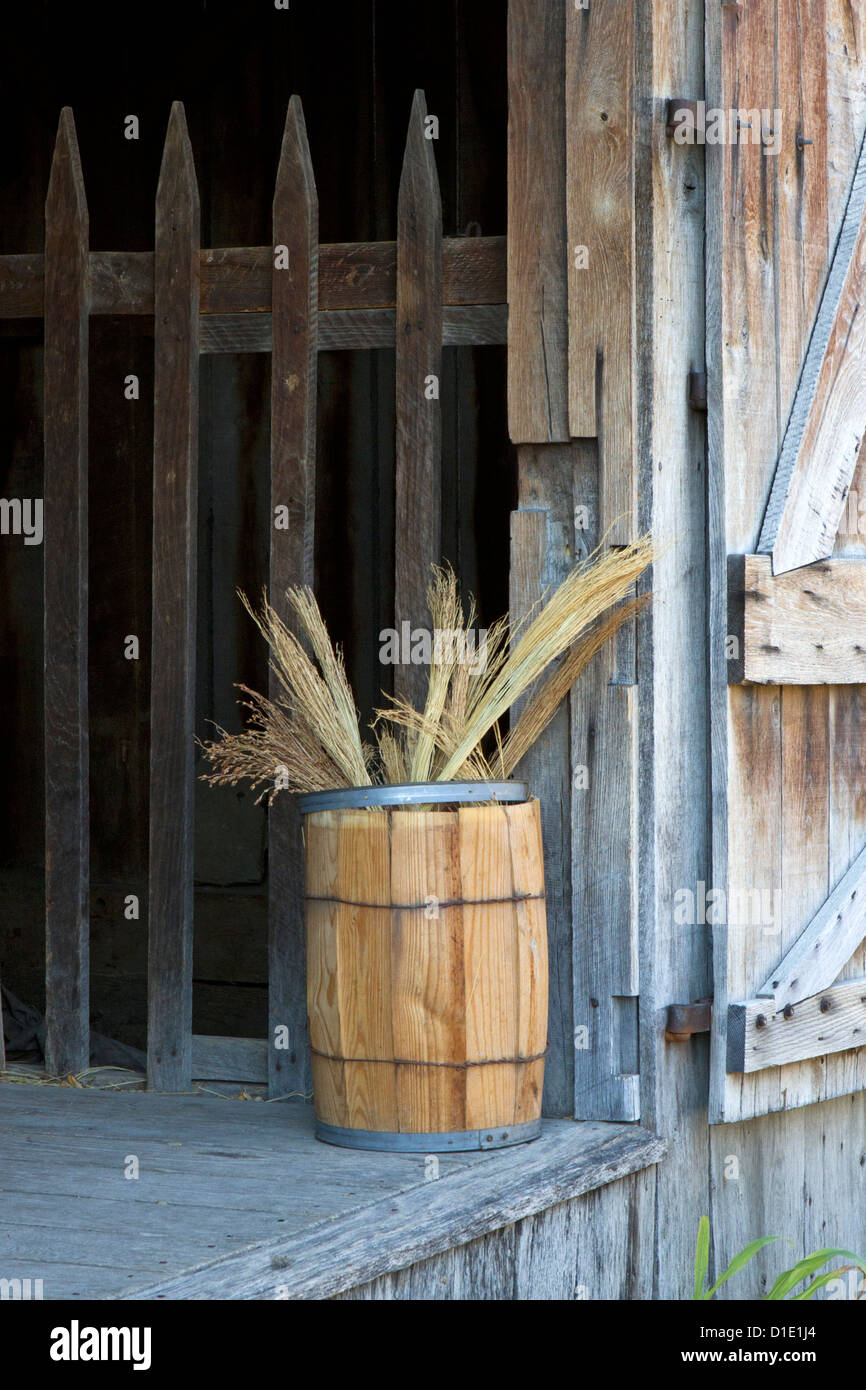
(787, 414)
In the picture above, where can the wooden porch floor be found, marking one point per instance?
(237, 1199)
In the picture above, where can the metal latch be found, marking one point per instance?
(684, 1020)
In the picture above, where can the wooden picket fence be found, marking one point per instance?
(292, 299)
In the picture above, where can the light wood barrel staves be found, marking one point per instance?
(427, 973)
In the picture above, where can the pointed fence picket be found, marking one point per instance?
(292, 299)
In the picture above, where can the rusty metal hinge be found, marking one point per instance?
(684, 1020)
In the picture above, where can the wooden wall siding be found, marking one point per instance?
(604, 851)
(599, 89)
(570, 80)
(293, 485)
(537, 264)
(825, 430)
(804, 627)
(418, 519)
(172, 708)
(600, 216)
(597, 1247)
(67, 880)
(542, 552)
(673, 784)
(773, 763)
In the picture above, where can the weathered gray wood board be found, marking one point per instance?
(172, 693)
(542, 550)
(463, 325)
(418, 521)
(805, 627)
(537, 253)
(603, 845)
(673, 777)
(826, 427)
(594, 1248)
(238, 279)
(569, 497)
(774, 762)
(238, 1200)
(67, 878)
(295, 224)
(761, 1036)
(826, 945)
(599, 95)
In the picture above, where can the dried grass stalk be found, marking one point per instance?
(318, 700)
(544, 703)
(603, 580)
(308, 739)
(446, 612)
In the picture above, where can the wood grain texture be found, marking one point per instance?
(603, 854)
(295, 224)
(238, 279)
(542, 552)
(826, 945)
(832, 1021)
(172, 716)
(672, 650)
(825, 430)
(427, 967)
(568, 1161)
(767, 221)
(67, 846)
(806, 627)
(418, 519)
(344, 330)
(229, 1059)
(537, 274)
(601, 226)
(66, 609)
(592, 1248)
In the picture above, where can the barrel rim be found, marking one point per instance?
(438, 1141)
(412, 793)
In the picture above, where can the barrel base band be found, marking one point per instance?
(446, 1141)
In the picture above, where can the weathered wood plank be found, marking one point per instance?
(832, 1021)
(567, 1161)
(604, 857)
(463, 325)
(418, 519)
(599, 83)
(828, 942)
(229, 1059)
(537, 275)
(673, 775)
(175, 460)
(292, 562)
(67, 849)
(826, 426)
(742, 309)
(237, 279)
(542, 552)
(806, 627)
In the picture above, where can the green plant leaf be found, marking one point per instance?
(821, 1281)
(702, 1257)
(789, 1278)
(740, 1260)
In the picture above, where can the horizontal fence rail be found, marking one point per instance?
(238, 280)
(292, 299)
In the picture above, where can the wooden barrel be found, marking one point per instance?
(427, 975)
